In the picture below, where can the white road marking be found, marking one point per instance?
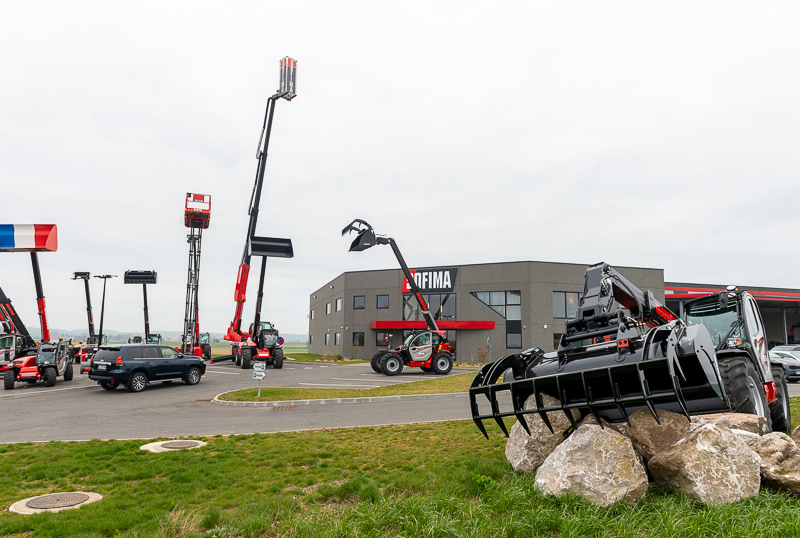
(48, 391)
(337, 385)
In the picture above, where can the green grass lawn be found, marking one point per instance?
(432, 480)
(437, 480)
(433, 385)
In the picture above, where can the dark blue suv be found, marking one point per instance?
(136, 365)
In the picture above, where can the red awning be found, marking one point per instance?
(694, 293)
(421, 324)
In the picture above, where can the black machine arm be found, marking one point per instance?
(366, 238)
(84, 275)
(11, 322)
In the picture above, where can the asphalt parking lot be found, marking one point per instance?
(81, 410)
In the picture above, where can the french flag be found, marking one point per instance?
(28, 238)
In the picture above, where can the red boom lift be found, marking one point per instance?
(262, 341)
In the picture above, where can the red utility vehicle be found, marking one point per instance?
(427, 350)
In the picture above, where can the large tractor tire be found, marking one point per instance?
(207, 352)
(391, 364)
(779, 411)
(743, 387)
(50, 375)
(375, 361)
(442, 363)
(237, 356)
(247, 357)
(69, 372)
(9, 379)
(277, 358)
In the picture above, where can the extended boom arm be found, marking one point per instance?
(366, 238)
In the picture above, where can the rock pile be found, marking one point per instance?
(715, 459)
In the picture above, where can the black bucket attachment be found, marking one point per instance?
(272, 247)
(365, 238)
(671, 368)
(140, 277)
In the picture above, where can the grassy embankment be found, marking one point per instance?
(418, 480)
(432, 385)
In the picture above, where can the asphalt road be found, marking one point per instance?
(81, 410)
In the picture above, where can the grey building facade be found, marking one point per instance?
(516, 305)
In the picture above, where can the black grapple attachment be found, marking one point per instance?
(609, 363)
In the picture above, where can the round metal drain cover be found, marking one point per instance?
(57, 500)
(180, 444)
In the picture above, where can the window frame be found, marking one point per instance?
(363, 302)
(378, 302)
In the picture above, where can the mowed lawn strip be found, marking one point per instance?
(433, 385)
(437, 480)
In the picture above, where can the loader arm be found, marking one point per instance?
(366, 238)
(11, 321)
(595, 317)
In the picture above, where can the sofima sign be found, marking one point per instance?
(432, 279)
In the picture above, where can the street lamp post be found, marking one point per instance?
(102, 307)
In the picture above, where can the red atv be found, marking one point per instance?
(427, 350)
(50, 361)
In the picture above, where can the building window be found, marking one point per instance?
(509, 305)
(310, 339)
(337, 339)
(556, 339)
(382, 339)
(359, 302)
(442, 306)
(327, 339)
(327, 309)
(565, 304)
(312, 313)
(358, 339)
(339, 304)
(383, 301)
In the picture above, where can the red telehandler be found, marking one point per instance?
(24, 360)
(429, 349)
(262, 341)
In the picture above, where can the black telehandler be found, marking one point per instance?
(625, 351)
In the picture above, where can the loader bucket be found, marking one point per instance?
(673, 369)
(365, 238)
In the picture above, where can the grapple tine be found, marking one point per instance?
(587, 390)
(646, 393)
(679, 397)
(479, 423)
(539, 406)
(518, 406)
(502, 425)
(620, 406)
(567, 411)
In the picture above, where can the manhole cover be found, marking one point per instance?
(57, 500)
(180, 444)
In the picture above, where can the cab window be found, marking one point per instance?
(168, 353)
(423, 340)
(436, 339)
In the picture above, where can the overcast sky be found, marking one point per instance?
(641, 134)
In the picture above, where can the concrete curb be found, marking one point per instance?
(335, 401)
